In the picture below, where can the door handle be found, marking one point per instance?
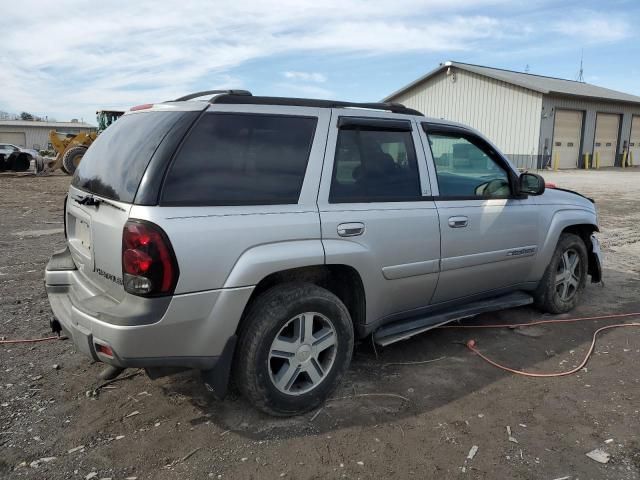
(351, 229)
(458, 222)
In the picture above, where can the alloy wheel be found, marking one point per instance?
(568, 275)
(302, 353)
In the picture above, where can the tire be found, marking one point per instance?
(556, 294)
(71, 159)
(303, 374)
(21, 162)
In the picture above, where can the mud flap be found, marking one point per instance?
(217, 379)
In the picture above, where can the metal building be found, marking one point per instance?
(534, 120)
(32, 134)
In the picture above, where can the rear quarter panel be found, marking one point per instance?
(219, 247)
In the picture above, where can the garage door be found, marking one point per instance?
(15, 138)
(567, 132)
(607, 127)
(634, 141)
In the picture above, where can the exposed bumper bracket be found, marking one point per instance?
(595, 261)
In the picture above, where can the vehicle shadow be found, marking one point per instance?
(381, 386)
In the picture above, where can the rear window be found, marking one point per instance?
(241, 159)
(114, 164)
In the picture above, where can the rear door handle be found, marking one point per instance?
(351, 229)
(458, 222)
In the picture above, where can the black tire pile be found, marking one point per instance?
(16, 162)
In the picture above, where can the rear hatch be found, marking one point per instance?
(104, 188)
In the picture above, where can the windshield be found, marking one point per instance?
(114, 164)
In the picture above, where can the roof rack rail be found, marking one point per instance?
(212, 92)
(234, 98)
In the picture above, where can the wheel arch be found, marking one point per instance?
(344, 281)
(584, 231)
(580, 222)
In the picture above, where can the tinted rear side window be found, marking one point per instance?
(374, 166)
(241, 159)
(116, 161)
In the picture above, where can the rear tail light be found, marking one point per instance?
(149, 266)
(144, 106)
(103, 349)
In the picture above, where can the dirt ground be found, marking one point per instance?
(385, 421)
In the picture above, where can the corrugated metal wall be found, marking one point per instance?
(550, 103)
(38, 137)
(507, 114)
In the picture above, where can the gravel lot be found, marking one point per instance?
(386, 420)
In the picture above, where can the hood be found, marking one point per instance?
(560, 196)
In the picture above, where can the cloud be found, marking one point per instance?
(594, 28)
(306, 76)
(121, 53)
(304, 90)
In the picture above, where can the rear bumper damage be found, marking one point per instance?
(161, 335)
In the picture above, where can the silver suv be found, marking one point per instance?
(258, 237)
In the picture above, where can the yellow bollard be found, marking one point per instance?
(624, 159)
(586, 161)
(556, 161)
(631, 159)
(597, 159)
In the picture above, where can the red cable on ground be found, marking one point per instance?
(471, 344)
(34, 340)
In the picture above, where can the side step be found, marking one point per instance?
(404, 329)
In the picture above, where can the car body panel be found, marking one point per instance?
(496, 248)
(397, 254)
(94, 237)
(496, 245)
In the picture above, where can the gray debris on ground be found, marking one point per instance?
(38, 233)
(533, 332)
(599, 455)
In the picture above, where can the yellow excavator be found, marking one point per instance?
(70, 148)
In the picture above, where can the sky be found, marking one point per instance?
(67, 59)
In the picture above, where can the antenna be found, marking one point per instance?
(581, 72)
(526, 68)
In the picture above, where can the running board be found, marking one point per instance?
(404, 329)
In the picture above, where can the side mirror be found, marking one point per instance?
(531, 183)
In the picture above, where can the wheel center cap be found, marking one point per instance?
(303, 353)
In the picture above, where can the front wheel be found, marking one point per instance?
(565, 278)
(295, 345)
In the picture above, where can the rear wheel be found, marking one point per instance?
(71, 159)
(295, 346)
(566, 276)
